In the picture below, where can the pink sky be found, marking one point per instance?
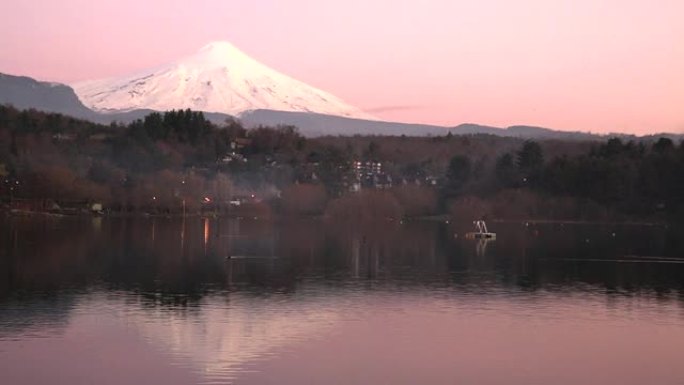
(590, 65)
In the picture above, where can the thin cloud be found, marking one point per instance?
(393, 108)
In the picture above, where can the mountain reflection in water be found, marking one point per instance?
(220, 300)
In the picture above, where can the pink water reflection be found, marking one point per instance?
(352, 336)
(444, 342)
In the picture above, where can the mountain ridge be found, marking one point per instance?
(24, 93)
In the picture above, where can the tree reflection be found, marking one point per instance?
(174, 262)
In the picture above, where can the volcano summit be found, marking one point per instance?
(218, 78)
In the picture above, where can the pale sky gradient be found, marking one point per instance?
(590, 65)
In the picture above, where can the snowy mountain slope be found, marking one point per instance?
(218, 78)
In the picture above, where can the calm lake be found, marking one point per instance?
(228, 301)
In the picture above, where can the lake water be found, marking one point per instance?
(221, 301)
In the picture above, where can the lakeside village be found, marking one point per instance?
(178, 163)
(359, 176)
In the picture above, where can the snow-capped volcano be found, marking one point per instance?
(218, 78)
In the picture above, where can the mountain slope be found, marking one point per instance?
(546, 133)
(311, 124)
(219, 78)
(24, 93)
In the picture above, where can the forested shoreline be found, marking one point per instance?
(178, 163)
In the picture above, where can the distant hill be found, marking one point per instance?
(547, 133)
(24, 93)
(311, 124)
(471, 128)
(522, 132)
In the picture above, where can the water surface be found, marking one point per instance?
(216, 301)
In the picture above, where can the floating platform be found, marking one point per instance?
(480, 235)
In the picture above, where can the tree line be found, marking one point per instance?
(178, 160)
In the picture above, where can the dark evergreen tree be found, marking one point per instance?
(506, 172)
(458, 174)
(530, 160)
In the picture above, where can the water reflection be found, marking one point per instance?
(216, 296)
(194, 255)
(35, 317)
(226, 333)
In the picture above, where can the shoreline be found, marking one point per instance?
(444, 218)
